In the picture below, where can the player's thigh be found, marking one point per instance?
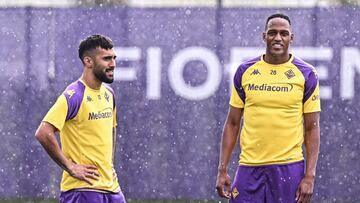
(283, 181)
(248, 185)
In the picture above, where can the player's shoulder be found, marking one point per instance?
(302, 65)
(245, 66)
(74, 94)
(74, 91)
(307, 70)
(109, 88)
(248, 63)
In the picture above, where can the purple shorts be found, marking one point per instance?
(270, 183)
(73, 196)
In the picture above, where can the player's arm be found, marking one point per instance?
(312, 143)
(114, 144)
(45, 134)
(228, 140)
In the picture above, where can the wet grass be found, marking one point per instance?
(145, 201)
(27, 201)
(175, 201)
(128, 201)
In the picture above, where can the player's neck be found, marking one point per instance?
(91, 81)
(279, 59)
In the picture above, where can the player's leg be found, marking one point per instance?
(282, 182)
(248, 185)
(69, 197)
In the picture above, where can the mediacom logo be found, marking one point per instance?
(106, 113)
(273, 87)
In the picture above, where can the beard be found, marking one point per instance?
(100, 74)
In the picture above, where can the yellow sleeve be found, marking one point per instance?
(235, 100)
(57, 114)
(312, 104)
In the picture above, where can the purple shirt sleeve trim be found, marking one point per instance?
(238, 76)
(74, 94)
(311, 79)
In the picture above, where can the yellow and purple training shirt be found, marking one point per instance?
(274, 99)
(85, 119)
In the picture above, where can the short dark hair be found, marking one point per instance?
(92, 42)
(277, 15)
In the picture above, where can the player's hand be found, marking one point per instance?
(222, 182)
(305, 190)
(84, 172)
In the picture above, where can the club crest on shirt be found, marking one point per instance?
(70, 93)
(234, 193)
(106, 97)
(289, 74)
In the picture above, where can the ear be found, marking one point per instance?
(264, 37)
(88, 61)
(291, 37)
